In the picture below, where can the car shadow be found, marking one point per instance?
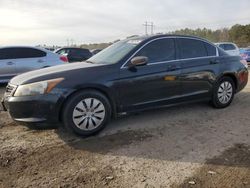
(186, 133)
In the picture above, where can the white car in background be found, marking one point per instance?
(16, 60)
(231, 48)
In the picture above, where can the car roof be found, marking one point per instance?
(152, 37)
(218, 43)
(77, 48)
(163, 35)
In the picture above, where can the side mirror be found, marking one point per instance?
(138, 61)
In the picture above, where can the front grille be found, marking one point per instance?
(10, 89)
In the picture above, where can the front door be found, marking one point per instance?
(156, 83)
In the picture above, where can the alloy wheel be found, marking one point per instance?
(88, 114)
(225, 92)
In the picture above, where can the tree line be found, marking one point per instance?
(238, 34)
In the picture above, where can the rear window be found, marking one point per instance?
(191, 48)
(222, 46)
(17, 53)
(229, 47)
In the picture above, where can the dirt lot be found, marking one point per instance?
(189, 146)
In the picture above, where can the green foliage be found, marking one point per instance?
(239, 34)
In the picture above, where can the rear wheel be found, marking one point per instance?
(223, 93)
(86, 112)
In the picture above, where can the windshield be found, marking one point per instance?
(114, 53)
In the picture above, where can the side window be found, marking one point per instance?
(16, 53)
(31, 53)
(229, 47)
(211, 50)
(191, 48)
(74, 52)
(6, 53)
(86, 53)
(159, 50)
(63, 51)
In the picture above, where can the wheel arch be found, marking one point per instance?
(233, 77)
(100, 89)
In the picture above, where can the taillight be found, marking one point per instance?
(244, 56)
(64, 59)
(244, 62)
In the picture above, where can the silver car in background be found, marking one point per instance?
(15, 60)
(231, 48)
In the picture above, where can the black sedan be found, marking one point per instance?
(74, 54)
(131, 75)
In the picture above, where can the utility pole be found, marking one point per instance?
(152, 28)
(149, 25)
(146, 28)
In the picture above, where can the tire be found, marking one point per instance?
(86, 113)
(223, 92)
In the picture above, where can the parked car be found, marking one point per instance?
(75, 54)
(246, 55)
(95, 51)
(131, 75)
(231, 48)
(15, 60)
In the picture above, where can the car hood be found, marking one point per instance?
(45, 73)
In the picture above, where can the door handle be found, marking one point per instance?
(212, 62)
(40, 61)
(10, 63)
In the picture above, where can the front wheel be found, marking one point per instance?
(223, 93)
(86, 112)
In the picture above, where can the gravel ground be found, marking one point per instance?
(189, 146)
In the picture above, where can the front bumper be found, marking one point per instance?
(2, 106)
(33, 109)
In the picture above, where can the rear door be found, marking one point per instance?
(29, 59)
(7, 64)
(154, 84)
(200, 65)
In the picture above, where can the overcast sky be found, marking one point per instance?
(32, 22)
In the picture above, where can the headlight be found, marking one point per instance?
(37, 88)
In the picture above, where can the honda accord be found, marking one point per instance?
(131, 75)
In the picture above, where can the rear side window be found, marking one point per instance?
(190, 48)
(211, 50)
(80, 53)
(159, 50)
(229, 47)
(16, 53)
(63, 51)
